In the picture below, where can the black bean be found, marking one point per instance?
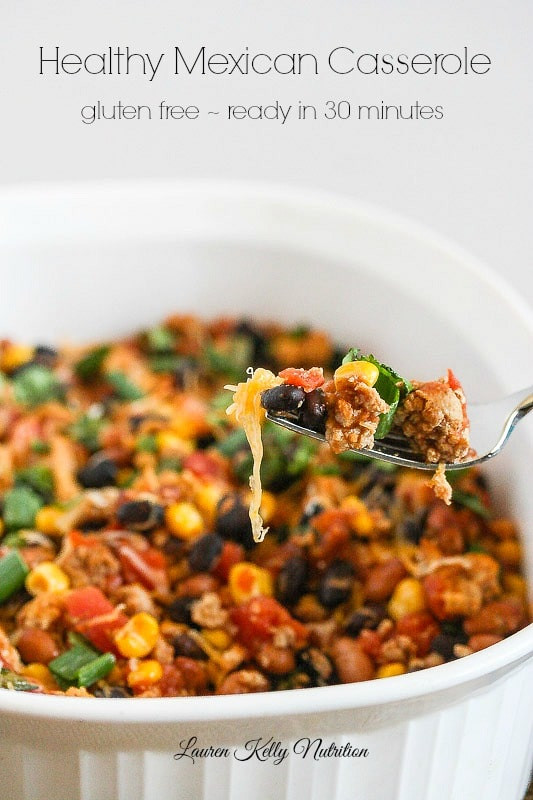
(291, 580)
(174, 548)
(313, 411)
(112, 691)
(412, 527)
(180, 609)
(259, 341)
(205, 552)
(336, 584)
(185, 373)
(44, 355)
(377, 478)
(316, 665)
(481, 481)
(203, 442)
(140, 515)
(443, 643)
(92, 525)
(312, 508)
(136, 420)
(233, 520)
(184, 645)
(366, 617)
(99, 471)
(283, 399)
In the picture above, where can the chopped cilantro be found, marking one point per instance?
(123, 388)
(86, 430)
(36, 385)
(471, 501)
(38, 478)
(146, 444)
(160, 340)
(90, 365)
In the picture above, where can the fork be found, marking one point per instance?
(491, 425)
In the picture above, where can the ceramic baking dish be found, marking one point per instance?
(80, 262)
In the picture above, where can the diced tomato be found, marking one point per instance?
(148, 567)
(308, 379)
(101, 632)
(258, 619)
(203, 465)
(231, 554)
(95, 617)
(88, 602)
(453, 383)
(421, 628)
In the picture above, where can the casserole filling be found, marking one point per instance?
(128, 566)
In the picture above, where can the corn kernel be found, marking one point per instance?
(218, 637)
(145, 674)
(41, 673)
(185, 425)
(389, 670)
(509, 552)
(515, 584)
(207, 498)
(138, 636)
(361, 520)
(47, 577)
(14, 356)
(47, 519)
(359, 370)
(184, 520)
(503, 528)
(247, 580)
(171, 443)
(408, 596)
(2, 527)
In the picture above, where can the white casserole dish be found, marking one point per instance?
(88, 261)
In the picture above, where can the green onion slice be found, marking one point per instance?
(13, 571)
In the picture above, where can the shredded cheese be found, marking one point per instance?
(247, 411)
(440, 485)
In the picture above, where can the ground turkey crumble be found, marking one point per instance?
(433, 417)
(354, 409)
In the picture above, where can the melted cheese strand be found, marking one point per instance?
(246, 408)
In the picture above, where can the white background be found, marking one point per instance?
(468, 176)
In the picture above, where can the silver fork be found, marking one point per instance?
(491, 425)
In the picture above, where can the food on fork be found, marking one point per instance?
(363, 401)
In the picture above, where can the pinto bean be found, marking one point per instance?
(244, 681)
(351, 663)
(197, 585)
(501, 617)
(275, 660)
(36, 645)
(481, 640)
(382, 579)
